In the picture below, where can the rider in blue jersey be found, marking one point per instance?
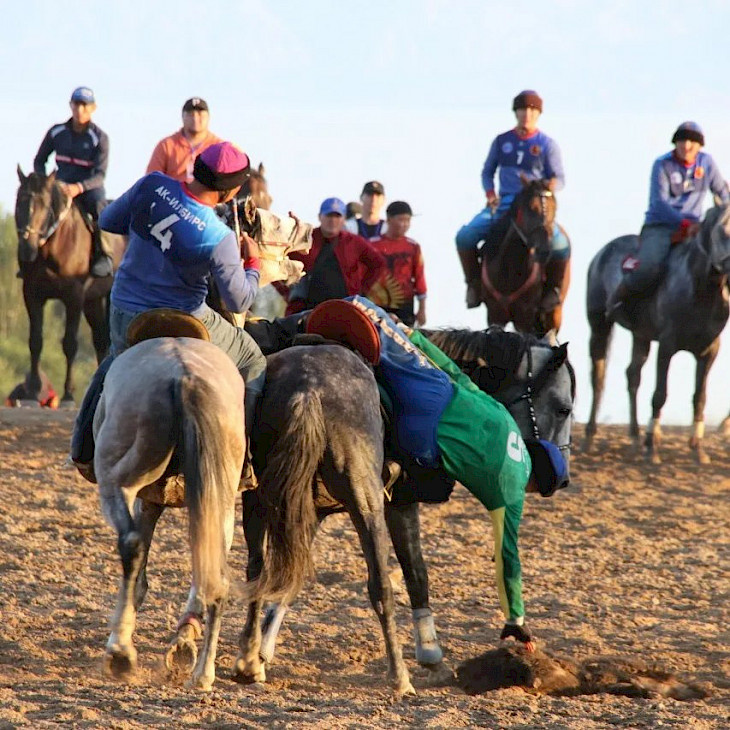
(527, 152)
(176, 242)
(680, 180)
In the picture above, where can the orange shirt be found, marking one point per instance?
(174, 156)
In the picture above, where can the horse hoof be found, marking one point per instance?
(181, 656)
(120, 663)
(202, 683)
(67, 404)
(703, 458)
(654, 458)
(404, 688)
(245, 673)
(429, 656)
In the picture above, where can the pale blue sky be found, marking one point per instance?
(330, 95)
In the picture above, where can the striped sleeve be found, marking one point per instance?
(508, 571)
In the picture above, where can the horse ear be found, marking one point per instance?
(52, 177)
(262, 169)
(21, 177)
(551, 338)
(249, 209)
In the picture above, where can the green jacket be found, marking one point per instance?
(482, 448)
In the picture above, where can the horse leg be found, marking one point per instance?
(365, 507)
(204, 671)
(95, 313)
(704, 363)
(405, 533)
(70, 344)
(653, 431)
(248, 666)
(639, 354)
(35, 344)
(601, 331)
(146, 515)
(120, 660)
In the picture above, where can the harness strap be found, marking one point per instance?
(506, 300)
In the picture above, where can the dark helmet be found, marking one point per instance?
(527, 98)
(689, 130)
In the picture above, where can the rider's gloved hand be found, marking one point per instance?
(492, 200)
(519, 632)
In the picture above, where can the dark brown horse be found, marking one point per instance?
(54, 251)
(257, 187)
(513, 266)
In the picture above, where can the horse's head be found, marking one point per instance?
(38, 208)
(532, 215)
(715, 237)
(257, 188)
(532, 378)
(541, 395)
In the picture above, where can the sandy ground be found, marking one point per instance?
(633, 560)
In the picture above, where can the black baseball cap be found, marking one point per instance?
(398, 207)
(195, 104)
(373, 188)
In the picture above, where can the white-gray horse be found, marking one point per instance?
(170, 405)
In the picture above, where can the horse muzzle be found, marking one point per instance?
(28, 247)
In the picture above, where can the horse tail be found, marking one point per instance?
(207, 484)
(287, 494)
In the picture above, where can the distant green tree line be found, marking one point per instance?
(14, 353)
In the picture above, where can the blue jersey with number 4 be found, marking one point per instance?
(175, 243)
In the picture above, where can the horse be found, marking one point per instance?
(318, 449)
(513, 263)
(170, 405)
(54, 251)
(268, 303)
(687, 311)
(532, 377)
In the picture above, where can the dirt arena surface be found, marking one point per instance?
(632, 560)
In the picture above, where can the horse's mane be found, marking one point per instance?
(497, 352)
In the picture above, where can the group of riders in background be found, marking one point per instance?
(177, 244)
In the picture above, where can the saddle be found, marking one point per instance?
(162, 322)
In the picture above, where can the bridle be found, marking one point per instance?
(534, 384)
(525, 237)
(50, 223)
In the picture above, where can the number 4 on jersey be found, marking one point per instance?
(161, 231)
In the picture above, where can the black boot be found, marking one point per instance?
(555, 284)
(82, 439)
(248, 475)
(473, 274)
(101, 263)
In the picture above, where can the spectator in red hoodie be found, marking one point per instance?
(404, 279)
(339, 264)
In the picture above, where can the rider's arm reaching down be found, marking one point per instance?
(237, 283)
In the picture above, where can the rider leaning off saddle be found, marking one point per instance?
(679, 181)
(443, 420)
(527, 152)
(82, 154)
(175, 242)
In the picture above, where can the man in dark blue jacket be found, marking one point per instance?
(82, 154)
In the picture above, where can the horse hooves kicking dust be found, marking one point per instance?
(545, 674)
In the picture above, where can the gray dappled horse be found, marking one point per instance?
(54, 251)
(531, 377)
(688, 311)
(318, 449)
(167, 399)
